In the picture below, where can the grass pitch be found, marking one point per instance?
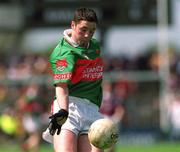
(158, 147)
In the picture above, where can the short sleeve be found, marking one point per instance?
(62, 68)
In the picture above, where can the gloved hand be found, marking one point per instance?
(57, 120)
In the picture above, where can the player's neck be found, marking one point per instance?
(73, 41)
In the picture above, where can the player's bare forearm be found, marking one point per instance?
(62, 95)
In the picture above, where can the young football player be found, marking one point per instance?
(77, 75)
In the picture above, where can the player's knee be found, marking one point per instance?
(60, 146)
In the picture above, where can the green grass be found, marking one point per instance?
(159, 147)
(15, 148)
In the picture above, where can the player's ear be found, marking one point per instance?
(73, 24)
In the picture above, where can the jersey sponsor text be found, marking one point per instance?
(63, 76)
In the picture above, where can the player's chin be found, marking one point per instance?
(84, 43)
(86, 40)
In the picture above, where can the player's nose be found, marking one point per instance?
(87, 34)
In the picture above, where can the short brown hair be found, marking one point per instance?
(86, 14)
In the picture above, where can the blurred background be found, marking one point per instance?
(141, 51)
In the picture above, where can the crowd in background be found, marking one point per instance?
(26, 91)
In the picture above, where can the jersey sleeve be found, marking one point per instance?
(62, 68)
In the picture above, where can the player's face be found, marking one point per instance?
(83, 31)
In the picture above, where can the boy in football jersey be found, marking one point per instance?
(77, 76)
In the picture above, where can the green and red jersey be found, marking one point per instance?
(80, 68)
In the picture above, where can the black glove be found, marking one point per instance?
(57, 120)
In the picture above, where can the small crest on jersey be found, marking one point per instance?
(61, 64)
(97, 51)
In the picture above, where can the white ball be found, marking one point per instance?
(103, 133)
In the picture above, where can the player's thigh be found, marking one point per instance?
(66, 141)
(84, 145)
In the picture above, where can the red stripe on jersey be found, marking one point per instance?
(86, 62)
(88, 70)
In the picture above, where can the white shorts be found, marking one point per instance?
(82, 113)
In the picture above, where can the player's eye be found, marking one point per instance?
(83, 30)
(91, 31)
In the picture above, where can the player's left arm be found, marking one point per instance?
(118, 113)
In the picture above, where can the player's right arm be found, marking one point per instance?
(59, 118)
(62, 95)
(62, 68)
